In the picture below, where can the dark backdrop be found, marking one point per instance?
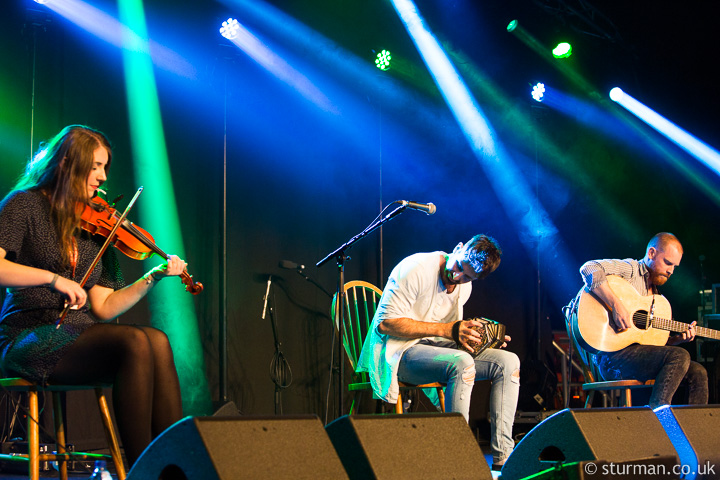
(301, 181)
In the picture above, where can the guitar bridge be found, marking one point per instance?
(651, 314)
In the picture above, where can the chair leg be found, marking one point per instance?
(626, 398)
(441, 398)
(33, 436)
(399, 404)
(110, 434)
(589, 399)
(59, 434)
(354, 400)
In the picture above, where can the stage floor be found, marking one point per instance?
(79, 475)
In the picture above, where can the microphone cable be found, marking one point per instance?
(280, 371)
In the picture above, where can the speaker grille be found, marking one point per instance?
(228, 448)
(612, 434)
(408, 446)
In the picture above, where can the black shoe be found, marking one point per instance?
(496, 467)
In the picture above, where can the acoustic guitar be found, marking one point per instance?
(593, 326)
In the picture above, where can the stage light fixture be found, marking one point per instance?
(616, 94)
(538, 92)
(563, 50)
(382, 60)
(545, 53)
(230, 28)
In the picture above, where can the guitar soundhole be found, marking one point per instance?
(640, 319)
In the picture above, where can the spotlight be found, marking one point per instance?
(230, 28)
(538, 91)
(382, 60)
(563, 50)
(616, 94)
(512, 26)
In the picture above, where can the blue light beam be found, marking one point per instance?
(112, 31)
(347, 68)
(625, 129)
(534, 226)
(273, 63)
(692, 145)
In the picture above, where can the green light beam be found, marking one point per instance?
(172, 309)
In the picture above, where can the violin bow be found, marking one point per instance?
(104, 247)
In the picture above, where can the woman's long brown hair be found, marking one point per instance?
(60, 170)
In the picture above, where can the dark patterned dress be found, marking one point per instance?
(30, 343)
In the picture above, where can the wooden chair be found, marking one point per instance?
(361, 300)
(592, 376)
(34, 457)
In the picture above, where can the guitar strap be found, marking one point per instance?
(571, 308)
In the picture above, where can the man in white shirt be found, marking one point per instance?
(417, 329)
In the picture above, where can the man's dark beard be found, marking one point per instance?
(448, 278)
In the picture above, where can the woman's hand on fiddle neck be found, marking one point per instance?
(108, 304)
(173, 267)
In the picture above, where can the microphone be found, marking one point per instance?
(428, 208)
(291, 265)
(267, 294)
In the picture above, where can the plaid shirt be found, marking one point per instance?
(595, 273)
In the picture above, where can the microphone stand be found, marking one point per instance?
(279, 367)
(339, 255)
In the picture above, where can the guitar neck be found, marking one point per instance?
(674, 326)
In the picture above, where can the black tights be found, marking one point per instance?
(138, 361)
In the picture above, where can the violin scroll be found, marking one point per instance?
(190, 285)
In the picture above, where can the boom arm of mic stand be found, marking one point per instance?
(346, 246)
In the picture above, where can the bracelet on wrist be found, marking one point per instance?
(53, 281)
(150, 277)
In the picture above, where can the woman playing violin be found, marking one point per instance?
(43, 256)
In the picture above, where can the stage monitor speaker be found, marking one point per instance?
(408, 446)
(228, 448)
(655, 468)
(701, 427)
(575, 435)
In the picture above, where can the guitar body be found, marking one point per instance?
(592, 324)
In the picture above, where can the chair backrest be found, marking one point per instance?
(361, 300)
(590, 370)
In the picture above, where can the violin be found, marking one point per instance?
(99, 217)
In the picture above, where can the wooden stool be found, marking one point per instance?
(34, 457)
